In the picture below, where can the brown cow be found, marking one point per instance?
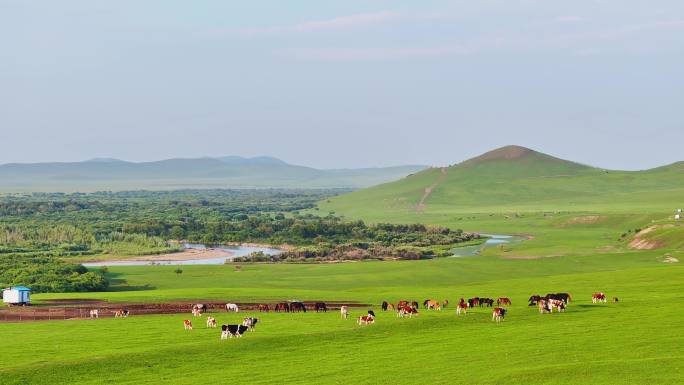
(432, 304)
(498, 314)
(503, 301)
(462, 307)
(598, 297)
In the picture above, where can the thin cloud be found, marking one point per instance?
(337, 23)
(524, 42)
(569, 19)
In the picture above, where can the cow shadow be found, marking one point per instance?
(590, 307)
(120, 284)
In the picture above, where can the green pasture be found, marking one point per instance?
(636, 340)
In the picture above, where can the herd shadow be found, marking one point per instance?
(120, 284)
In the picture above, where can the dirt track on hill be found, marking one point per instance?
(428, 190)
(69, 309)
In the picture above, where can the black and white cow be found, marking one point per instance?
(250, 322)
(232, 331)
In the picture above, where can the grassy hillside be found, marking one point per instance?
(520, 191)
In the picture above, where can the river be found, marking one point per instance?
(493, 241)
(241, 251)
(235, 251)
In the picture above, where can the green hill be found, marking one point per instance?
(515, 178)
(567, 207)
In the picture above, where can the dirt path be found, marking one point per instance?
(428, 190)
(64, 309)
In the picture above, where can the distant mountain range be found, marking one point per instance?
(224, 172)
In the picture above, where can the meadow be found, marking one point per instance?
(636, 340)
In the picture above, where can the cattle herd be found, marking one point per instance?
(403, 308)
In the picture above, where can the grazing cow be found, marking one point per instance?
(264, 307)
(320, 307)
(432, 304)
(384, 305)
(486, 302)
(598, 297)
(94, 313)
(371, 313)
(121, 313)
(445, 303)
(503, 301)
(498, 314)
(187, 325)
(472, 302)
(544, 306)
(250, 322)
(558, 304)
(344, 311)
(407, 311)
(565, 297)
(232, 307)
(414, 305)
(366, 320)
(462, 307)
(283, 306)
(211, 322)
(534, 299)
(297, 307)
(199, 309)
(390, 306)
(232, 331)
(615, 299)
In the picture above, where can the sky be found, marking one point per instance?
(345, 83)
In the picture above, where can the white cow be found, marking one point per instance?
(232, 307)
(94, 314)
(211, 322)
(344, 311)
(678, 217)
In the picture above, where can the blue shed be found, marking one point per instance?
(16, 295)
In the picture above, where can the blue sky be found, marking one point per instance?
(342, 83)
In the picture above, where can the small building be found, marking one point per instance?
(16, 295)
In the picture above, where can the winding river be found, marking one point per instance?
(235, 251)
(241, 251)
(493, 241)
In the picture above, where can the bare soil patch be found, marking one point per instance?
(641, 243)
(583, 220)
(185, 255)
(67, 309)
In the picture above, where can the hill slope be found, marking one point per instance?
(515, 178)
(225, 172)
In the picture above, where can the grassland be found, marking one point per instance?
(605, 343)
(582, 224)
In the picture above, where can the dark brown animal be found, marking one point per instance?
(503, 301)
